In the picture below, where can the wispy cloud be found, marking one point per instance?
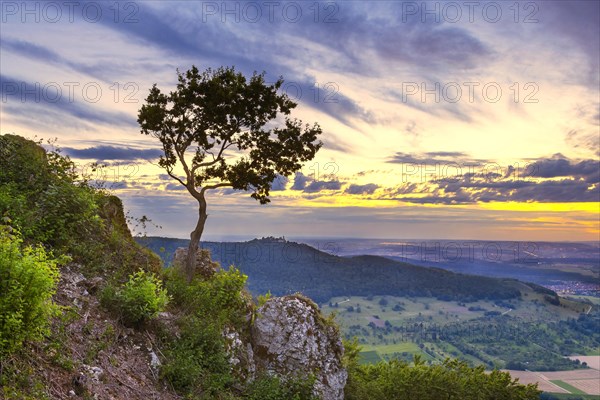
(368, 188)
(14, 91)
(579, 182)
(113, 153)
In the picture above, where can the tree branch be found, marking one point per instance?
(181, 156)
(175, 177)
(215, 186)
(224, 147)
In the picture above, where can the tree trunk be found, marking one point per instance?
(190, 267)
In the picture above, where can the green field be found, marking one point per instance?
(405, 350)
(569, 388)
(498, 334)
(369, 357)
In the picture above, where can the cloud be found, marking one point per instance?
(434, 157)
(578, 21)
(30, 50)
(47, 56)
(300, 181)
(584, 140)
(368, 188)
(338, 145)
(318, 186)
(426, 45)
(310, 185)
(553, 179)
(49, 97)
(337, 105)
(560, 166)
(279, 183)
(436, 46)
(174, 186)
(113, 153)
(453, 154)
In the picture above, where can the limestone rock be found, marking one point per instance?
(241, 355)
(204, 265)
(290, 338)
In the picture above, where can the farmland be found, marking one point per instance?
(581, 381)
(523, 334)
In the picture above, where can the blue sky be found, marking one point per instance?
(456, 120)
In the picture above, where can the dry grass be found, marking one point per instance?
(586, 380)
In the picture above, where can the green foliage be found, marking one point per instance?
(274, 388)
(49, 203)
(197, 363)
(44, 196)
(452, 380)
(221, 296)
(217, 126)
(138, 300)
(263, 298)
(70, 213)
(218, 112)
(28, 279)
(21, 381)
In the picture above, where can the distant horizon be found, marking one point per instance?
(239, 238)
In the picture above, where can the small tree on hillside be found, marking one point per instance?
(218, 130)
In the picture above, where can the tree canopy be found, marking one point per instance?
(219, 113)
(220, 129)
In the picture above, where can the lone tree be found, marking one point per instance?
(219, 129)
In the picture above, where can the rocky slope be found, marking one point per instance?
(99, 358)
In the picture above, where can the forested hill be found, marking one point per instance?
(286, 267)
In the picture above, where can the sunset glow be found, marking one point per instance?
(485, 126)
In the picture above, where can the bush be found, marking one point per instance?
(221, 297)
(197, 362)
(139, 300)
(451, 380)
(197, 359)
(274, 388)
(28, 280)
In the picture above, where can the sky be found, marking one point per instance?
(441, 119)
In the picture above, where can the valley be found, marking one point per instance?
(528, 335)
(396, 308)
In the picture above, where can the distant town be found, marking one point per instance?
(575, 288)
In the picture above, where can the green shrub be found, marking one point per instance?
(274, 388)
(28, 279)
(44, 196)
(262, 299)
(196, 363)
(452, 380)
(221, 297)
(197, 359)
(138, 300)
(67, 213)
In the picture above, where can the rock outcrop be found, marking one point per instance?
(291, 338)
(204, 265)
(288, 337)
(241, 355)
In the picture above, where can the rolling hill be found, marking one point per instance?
(283, 267)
